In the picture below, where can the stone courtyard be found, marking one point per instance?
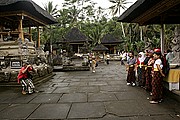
(83, 95)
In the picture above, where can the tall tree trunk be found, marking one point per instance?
(123, 29)
(141, 33)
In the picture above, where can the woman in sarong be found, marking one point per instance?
(148, 73)
(157, 85)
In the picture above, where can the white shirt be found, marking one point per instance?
(158, 62)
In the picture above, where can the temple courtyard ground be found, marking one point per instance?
(83, 95)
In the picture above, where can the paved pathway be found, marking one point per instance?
(84, 95)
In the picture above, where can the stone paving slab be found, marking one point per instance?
(109, 88)
(88, 79)
(51, 111)
(65, 90)
(128, 96)
(157, 117)
(117, 88)
(24, 99)
(124, 108)
(59, 84)
(46, 89)
(18, 111)
(88, 89)
(156, 109)
(73, 97)
(46, 98)
(87, 110)
(166, 117)
(74, 80)
(98, 83)
(79, 84)
(7, 98)
(59, 80)
(115, 82)
(3, 106)
(111, 117)
(101, 97)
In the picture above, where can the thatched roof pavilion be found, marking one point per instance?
(75, 38)
(18, 14)
(110, 42)
(110, 39)
(100, 48)
(32, 14)
(147, 12)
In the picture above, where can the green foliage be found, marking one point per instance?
(94, 23)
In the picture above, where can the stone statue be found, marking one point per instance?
(176, 47)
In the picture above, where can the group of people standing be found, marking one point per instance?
(148, 68)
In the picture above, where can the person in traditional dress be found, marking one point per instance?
(107, 58)
(93, 64)
(157, 80)
(130, 67)
(148, 73)
(25, 78)
(144, 68)
(140, 69)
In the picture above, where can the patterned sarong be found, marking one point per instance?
(157, 86)
(131, 75)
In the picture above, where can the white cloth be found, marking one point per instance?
(142, 58)
(158, 62)
(124, 56)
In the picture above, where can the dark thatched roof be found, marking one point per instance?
(10, 9)
(152, 12)
(100, 47)
(76, 36)
(110, 39)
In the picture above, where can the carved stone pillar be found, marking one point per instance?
(176, 46)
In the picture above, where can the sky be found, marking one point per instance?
(101, 3)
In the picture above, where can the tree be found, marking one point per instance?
(116, 9)
(51, 9)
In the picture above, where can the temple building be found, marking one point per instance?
(17, 17)
(111, 43)
(76, 39)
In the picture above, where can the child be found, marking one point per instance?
(157, 85)
(93, 64)
(130, 67)
(24, 77)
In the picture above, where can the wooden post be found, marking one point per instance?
(78, 49)
(30, 34)
(162, 39)
(114, 50)
(39, 42)
(20, 29)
